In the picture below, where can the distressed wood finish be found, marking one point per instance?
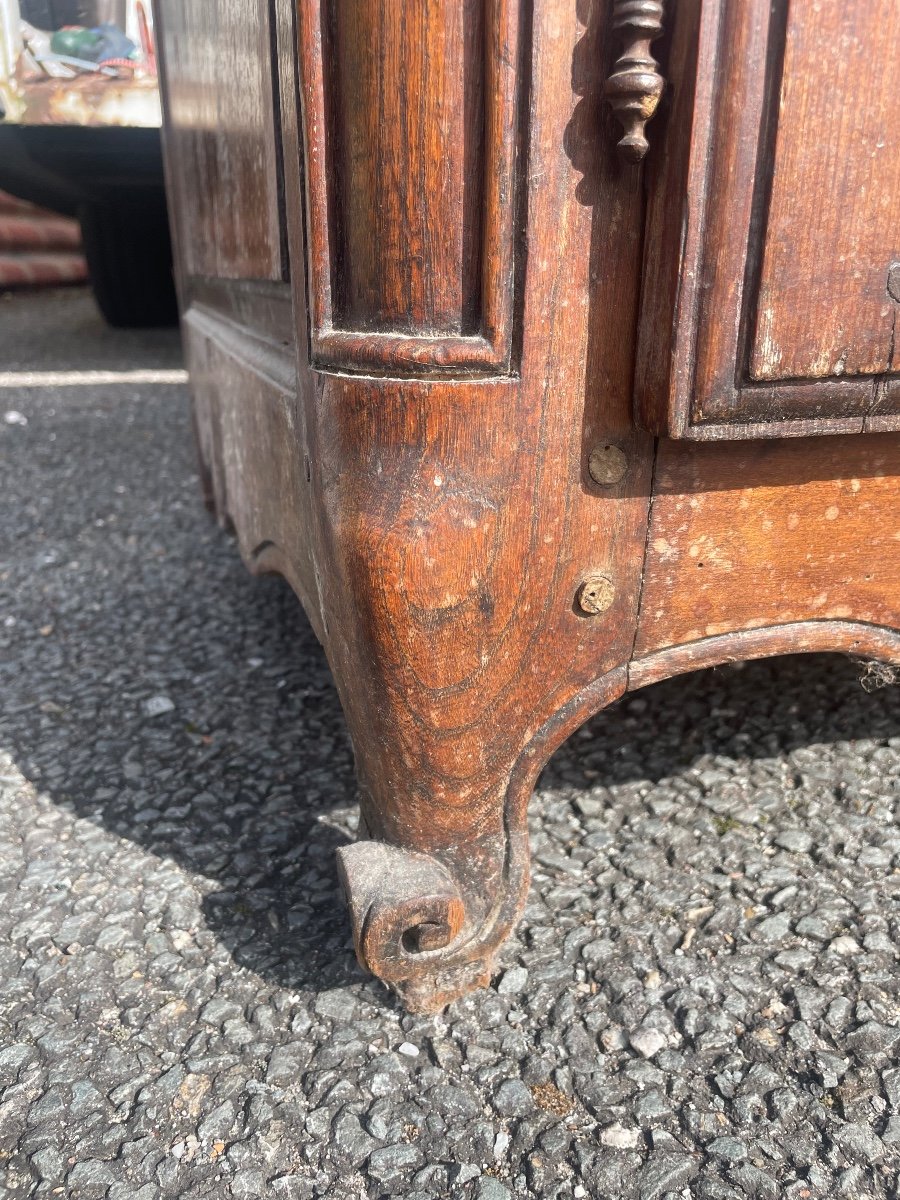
(773, 224)
(429, 431)
(761, 534)
(410, 126)
(838, 150)
(223, 134)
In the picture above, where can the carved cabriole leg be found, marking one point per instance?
(426, 487)
(455, 517)
(430, 924)
(460, 653)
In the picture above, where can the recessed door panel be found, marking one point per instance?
(772, 272)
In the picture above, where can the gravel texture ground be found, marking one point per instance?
(702, 999)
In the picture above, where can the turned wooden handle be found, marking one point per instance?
(635, 86)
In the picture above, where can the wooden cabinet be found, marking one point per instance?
(528, 420)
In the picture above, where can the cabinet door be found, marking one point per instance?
(772, 267)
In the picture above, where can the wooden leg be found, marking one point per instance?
(442, 873)
(442, 572)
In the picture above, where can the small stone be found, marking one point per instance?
(248, 1183)
(859, 1142)
(890, 1081)
(754, 1182)
(351, 1140)
(284, 1066)
(513, 981)
(664, 1173)
(661, 1139)
(590, 806)
(13, 417)
(813, 927)
(156, 706)
(873, 1040)
(217, 1011)
(513, 1099)
(619, 1137)
(652, 1106)
(91, 1177)
(796, 840)
(408, 1050)
(454, 1102)
(338, 1004)
(389, 1161)
(710, 780)
(773, 929)
(648, 1041)
(844, 945)
(613, 1039)
(50, 1164)
(218, 1123)
(492, 1189)
(380, 1119)
(12, 1059)
(466, 1172)
(840, 1012)
(831, 1069)
(783, 1102)
(289, 1187)
(802, 1035)
(796, 960)
(879, 943)
(729, 1148)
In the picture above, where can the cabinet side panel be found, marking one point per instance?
(221, 137)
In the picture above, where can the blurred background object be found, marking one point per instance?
(80, 135)
(38, 247)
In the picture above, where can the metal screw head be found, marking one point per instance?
(607, 465)
(596, 594)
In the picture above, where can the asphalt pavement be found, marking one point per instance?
(702, 1000)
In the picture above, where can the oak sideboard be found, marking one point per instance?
(547, 350)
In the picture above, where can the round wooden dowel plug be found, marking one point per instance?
(607, 465)
(596, 594)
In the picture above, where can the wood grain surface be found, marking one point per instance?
(736, 263)
(833, 225)
(406, 90)
(222, 133)
(764, 534)
(410, 117)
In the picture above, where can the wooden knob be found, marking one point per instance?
(635, 86)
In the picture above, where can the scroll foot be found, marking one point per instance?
(407, 913)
